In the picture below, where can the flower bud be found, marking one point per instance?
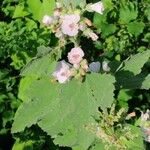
(105, 66)
(47, 20)
(97, 7)
(94, 67)
(93, 36)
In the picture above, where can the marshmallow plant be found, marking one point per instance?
(68, 25)
(70, 84)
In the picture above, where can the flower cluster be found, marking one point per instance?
(145, 125)
(66, 23)
(77, 66)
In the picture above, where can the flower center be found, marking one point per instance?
(63, 74)
(72, 26)
(76, 56)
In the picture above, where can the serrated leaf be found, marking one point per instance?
(73, 3)
(108, 4)
(59, 109)
(42, 100)
(20, 12)
(102, 88)
(42, 50)
(23, 86)
(147, 12)
(146, 83)
(39, 67)
(135, 28)
(129, 81)
(136, 62)
(128, 12)
(107, 29)
(99, 20)
(41, 8)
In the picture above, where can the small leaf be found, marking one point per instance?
(107, 29)
(135, 28)
(136, 62)
(20, 12)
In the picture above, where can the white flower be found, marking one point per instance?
(146, 132)
(47, 20)
(93, 36)
(97, 7)
(95, 67)
(146, 116)
(75, 55)
(105, 66)
(62, 72)
(70, 24)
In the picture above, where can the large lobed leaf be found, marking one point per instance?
(63, 111)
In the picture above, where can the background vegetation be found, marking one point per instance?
(123, 29)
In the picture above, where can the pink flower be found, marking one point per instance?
(70, 24)
(47, 20)
(93, 36)
(97, 7)
(62, 72)
(75, 55)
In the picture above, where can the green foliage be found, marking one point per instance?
(63, 112)
(128, 12)
(130, 76)
(73, 3)
(41, 8)
(135, 28)
(122, 28)
(136, 62)
(53, 116)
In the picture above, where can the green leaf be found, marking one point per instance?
(30, 111)
(129, 81)
(128, 12)
(20, 12)
(146, 83)
(101, 87)
(108, 4)
(23, 145)
(136, 62)
(73, 3)
(23, 86)
(147, 12)
(107, 29)
(99, 20)
(39, 67)
(39, 9)
(66, 109)
(135, 28)
(35, 8)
